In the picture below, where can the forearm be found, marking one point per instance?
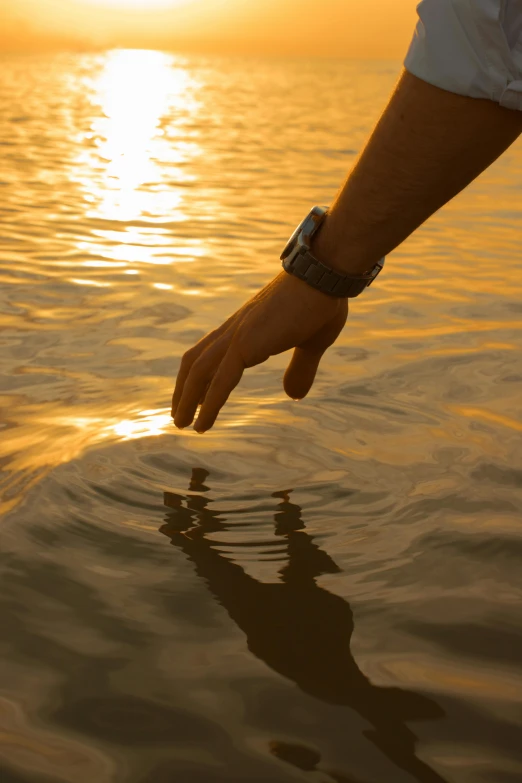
(428, 146)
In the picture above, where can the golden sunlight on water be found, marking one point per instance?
(126, 171)
(154, 167)
(135, 91)
(158, 583)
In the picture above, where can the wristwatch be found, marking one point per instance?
(297, 260)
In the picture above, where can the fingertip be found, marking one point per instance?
(294, 393)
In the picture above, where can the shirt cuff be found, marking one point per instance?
(461, 46)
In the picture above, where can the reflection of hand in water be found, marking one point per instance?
(297, 628)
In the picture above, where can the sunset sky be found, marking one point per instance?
(338, 28)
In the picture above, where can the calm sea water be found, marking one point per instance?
(320, 591)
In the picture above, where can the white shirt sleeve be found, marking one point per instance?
(470, 47)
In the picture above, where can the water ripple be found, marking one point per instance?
(326, 589)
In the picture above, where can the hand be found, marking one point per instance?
(286, 313)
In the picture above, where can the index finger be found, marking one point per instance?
(187, 360)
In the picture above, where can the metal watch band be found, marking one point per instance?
(307, 268)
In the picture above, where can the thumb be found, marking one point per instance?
(300, 373)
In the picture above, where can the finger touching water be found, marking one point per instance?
(285, 314)
(225, 380)
(195, 377)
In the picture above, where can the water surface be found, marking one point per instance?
(320, 591)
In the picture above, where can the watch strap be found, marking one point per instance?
(309, 269)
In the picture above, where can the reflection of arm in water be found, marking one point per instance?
(187, 528)
(296, 627)
(284, 622)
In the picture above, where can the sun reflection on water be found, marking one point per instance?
(137, 157)
(140, 93)
(145, 424)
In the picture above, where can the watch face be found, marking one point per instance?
(292, 241)
(308, 226)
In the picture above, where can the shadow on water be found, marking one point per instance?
(299, 629)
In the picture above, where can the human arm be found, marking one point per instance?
(428, 145)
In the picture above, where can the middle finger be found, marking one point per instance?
(194, 354)
(197, 382)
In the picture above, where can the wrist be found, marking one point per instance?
(342, 251)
